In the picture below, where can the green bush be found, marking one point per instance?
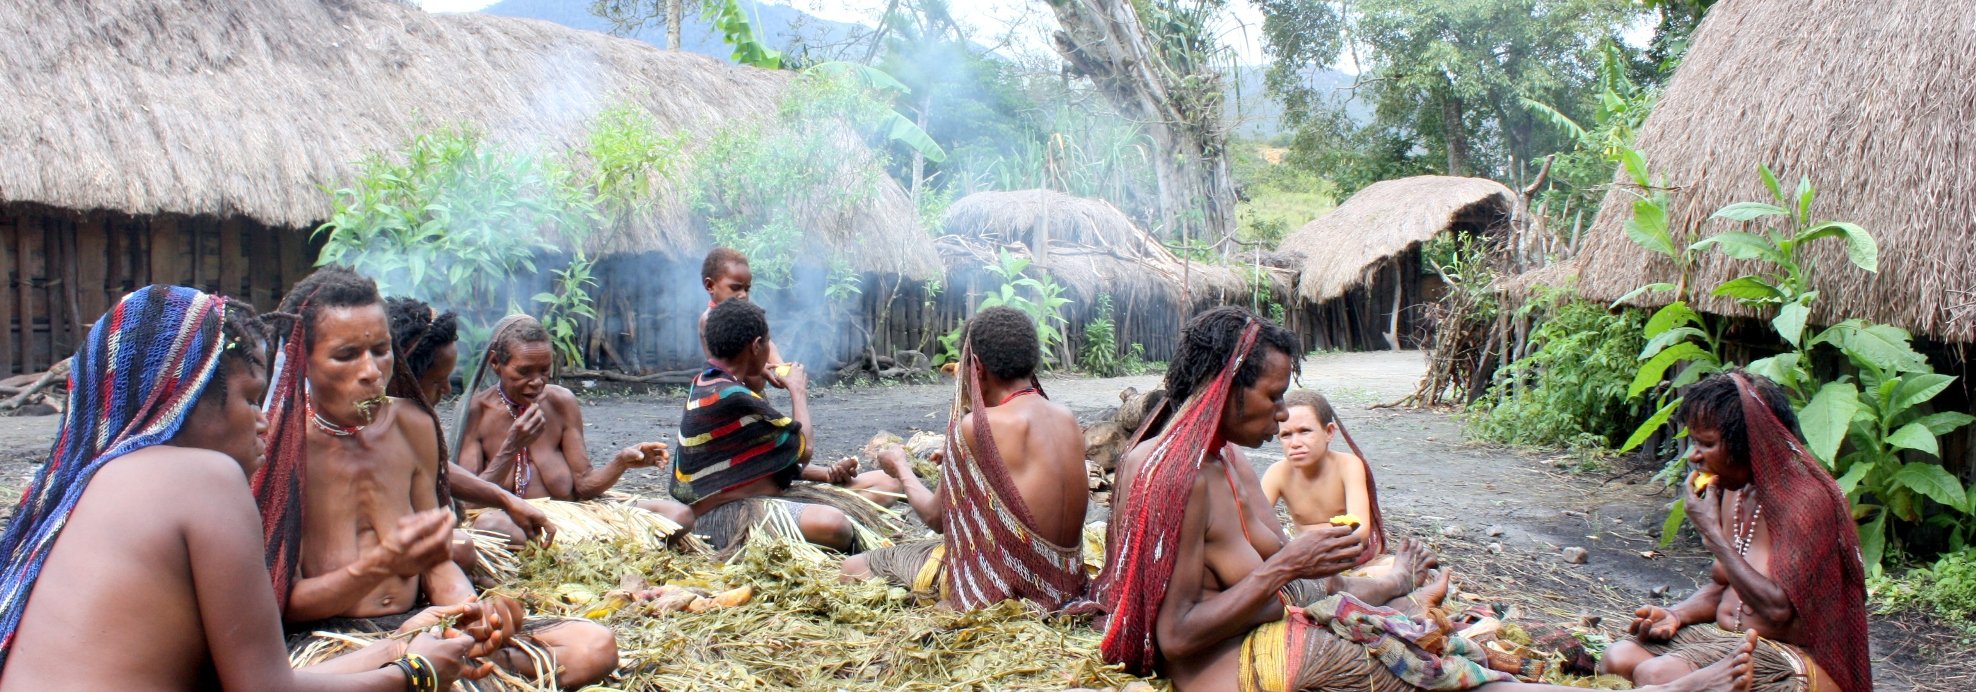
(1570, 391)
(1946, 590)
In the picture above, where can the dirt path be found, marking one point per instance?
(1500, 518)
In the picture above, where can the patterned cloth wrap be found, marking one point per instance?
(132, 385)
(729, 437)
(1341, 643)
(1779, 667)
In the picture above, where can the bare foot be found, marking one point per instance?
(1431, 594)
(1414, 561)
(1733, 672)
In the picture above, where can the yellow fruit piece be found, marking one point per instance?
(735, 596)
(575, 594)
(1703, 479)
(1346, 520)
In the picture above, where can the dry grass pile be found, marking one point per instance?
(802, 629)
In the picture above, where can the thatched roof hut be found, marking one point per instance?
(1874, 106)
(1361, 263)
(252, 107)
(183, 142)
(1091, 248)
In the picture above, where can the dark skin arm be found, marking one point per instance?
(418, 542)
(930, 505)
(1191, 621)
(1763, 596)
(500, 468)
(586, 481)
(1654, 623)
(236, 601)
(472, 488)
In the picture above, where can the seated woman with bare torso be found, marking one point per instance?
(353, 493)
(135, 558)
(1198, 579)
(1787, 564)
(526, 435)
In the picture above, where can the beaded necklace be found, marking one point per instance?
(1742, 534)
(324, 424)
(524, 460)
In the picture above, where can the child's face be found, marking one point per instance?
(735, 281)
(526, 372)
(1304, 438)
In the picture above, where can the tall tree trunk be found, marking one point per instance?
(1454, 132)
(675, 12)
(1103, 40)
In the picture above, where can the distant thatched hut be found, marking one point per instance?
(191, 143)
(1361, 269)
(1092, 249)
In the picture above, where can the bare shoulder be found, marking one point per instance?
(1275, 474)
(182, 480)
(412, 420)
(560, 398)
(1349, 464)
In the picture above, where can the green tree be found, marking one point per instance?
(1444, 76)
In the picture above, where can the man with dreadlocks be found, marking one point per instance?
(1787, 563)
(151, 467)
(527, 434)
(353, 491)
(1196, 577)
(1013, 493)
(427, 349)
(739, 458)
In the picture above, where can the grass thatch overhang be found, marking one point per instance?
(1346, 248)
(253, 108)
(1522, 287)
(1876, 106)
(1093, 248)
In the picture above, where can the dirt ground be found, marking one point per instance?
(1501, 518)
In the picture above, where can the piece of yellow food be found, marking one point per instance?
(1346, 520)
(1702, 480)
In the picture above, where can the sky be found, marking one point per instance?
(1026, 23)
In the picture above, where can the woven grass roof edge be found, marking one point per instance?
(1886, 140)
(1094, 247)
(254, 108)
(1343, 249)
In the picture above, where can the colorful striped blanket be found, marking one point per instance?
(730, 436)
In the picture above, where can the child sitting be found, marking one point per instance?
(1321, 486)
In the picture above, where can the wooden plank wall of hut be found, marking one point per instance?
(1358, 320)
(64, 269)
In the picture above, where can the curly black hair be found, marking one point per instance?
(1716, 402)
(418, 334)
(525, 330)
(1005, 341)
(732, 325)
(330, 286)
(244, 340)
(1208, 340)
(717, 261)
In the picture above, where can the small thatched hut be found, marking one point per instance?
(1091, 249)
(1361, 270)
(1886, 142)
(189, 142)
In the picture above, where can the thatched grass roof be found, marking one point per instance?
(1343, 249)
(1876, 106)
(254, 107)
(1093, 247)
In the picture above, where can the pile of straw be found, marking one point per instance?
(804, 629)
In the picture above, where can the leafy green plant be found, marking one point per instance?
(731, 20)
(1570, 391)
(564, 309)
(1039, 297)
(462, 224)
(1945, 589)
(1099, 354)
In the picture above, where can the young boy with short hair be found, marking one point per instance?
(1318, 484)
